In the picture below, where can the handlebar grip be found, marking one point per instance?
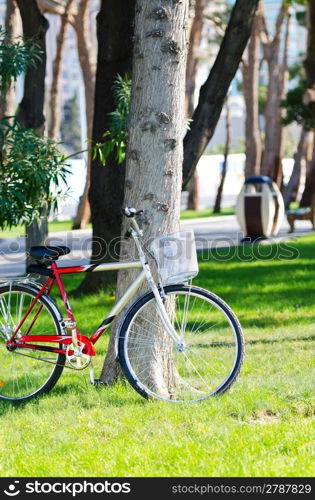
(131, 212)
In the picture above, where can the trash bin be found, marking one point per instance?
(259, 208)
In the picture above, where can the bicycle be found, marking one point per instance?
(176, 342)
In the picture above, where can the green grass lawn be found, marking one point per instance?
(54, 227)
(205, 212)
(264, 426)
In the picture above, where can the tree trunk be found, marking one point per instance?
(309, 63)
(277, 69)
(55, 96)
(106, 194)
(191, 72)
(213, 92)
(218, 200)
(309, 189)
(30, 112)
(86, 54)
(36, 234)
(251, 84)
(193, 55)
(193, 194)
(51, 6)
(154, 158)
(7, 99)
(294, 182)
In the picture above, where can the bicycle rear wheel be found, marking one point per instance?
(204, 363)
(25, 373)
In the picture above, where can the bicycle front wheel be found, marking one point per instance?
(25, 372)
(205, 362)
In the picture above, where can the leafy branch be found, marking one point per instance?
(115, 138)
(15, 57)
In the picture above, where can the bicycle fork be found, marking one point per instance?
(160, 304)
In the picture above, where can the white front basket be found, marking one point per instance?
(176, 257)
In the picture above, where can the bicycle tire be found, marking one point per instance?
(34, 367)
(124, 355)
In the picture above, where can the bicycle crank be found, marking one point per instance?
(76, 358)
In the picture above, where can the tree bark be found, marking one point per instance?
(51, 6)
(309, 189)
(193, 193)
(250, 70)
(7, 99)
(30, 112)
(193, 55)
(277, 69)
(191, 72)
(106, 194)
(36, 234)
(213, 92)
(300, 157)
(155, 151)
(309, 63)
(87, 61)
(218, 200)
(55, 96)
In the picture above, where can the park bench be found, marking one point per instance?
(301, 214)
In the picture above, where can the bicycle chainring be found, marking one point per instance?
(76, 358)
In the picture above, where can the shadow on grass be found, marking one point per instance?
(282, 339)
(114, 399)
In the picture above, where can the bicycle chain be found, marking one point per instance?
(46, 361)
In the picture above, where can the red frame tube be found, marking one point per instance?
(62, 339)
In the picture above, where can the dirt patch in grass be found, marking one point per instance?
(264, 417)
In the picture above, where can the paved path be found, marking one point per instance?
(213, 232)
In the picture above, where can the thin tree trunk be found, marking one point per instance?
(86, 53)
(309, 189)
(36, 234)
(55, 95)
(218, 200)
(272, 156)
(154, 159)
(251, 70)
(193, 55)
(309, 63)
(191, 72)
(51, 6)
(30, 112)
(309, 98)
(7, 99)
(193, 194)
(294, 182)
(106, 194)
(215, 89)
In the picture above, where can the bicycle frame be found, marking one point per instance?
(27, 341)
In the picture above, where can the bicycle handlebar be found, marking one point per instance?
(131, 212)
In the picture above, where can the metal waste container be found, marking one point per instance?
(259, 208)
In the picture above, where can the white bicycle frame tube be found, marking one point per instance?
(132, 289)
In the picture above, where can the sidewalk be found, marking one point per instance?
(210, 232)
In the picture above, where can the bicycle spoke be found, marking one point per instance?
(199, 366)
(22, 372)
